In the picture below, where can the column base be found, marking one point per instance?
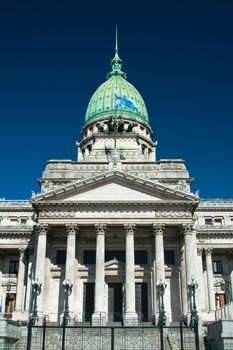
(70, 319)
(20, 316)
(98, 319)
(130, 319)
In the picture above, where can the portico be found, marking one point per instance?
(122, 249)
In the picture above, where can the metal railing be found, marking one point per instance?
(65, 337)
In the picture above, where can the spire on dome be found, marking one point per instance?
(116, 62)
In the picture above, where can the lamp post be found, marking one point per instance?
(36, 287)
(162, 315)
(193, 285)
(67, 285)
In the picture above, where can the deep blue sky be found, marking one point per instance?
(54, 54)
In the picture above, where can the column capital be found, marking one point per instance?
(129, 228)
(22, 251)
(72, 229)
(208, 251)
(42, 229)
(187, 229)
(158, 229)
(199, 251)
(100, 229)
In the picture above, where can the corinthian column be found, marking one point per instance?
(99, 315)
(71, 231)
(19, 305)
(210, 278)
(130, 317)
(159, 269)
(42, 231)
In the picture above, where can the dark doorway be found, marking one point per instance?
(115, 302)
(89, 297)
(142, 301)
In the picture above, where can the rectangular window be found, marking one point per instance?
(217, 266)
(14, 221)
(218, 221)
(89, 257)
(208, 221)
(23, 221)
(115, 254)
(169, 257)
(141, 257)
(14, 266)
(61, 257)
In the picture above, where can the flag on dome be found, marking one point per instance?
(125, 101)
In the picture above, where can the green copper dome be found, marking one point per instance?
(102, 103)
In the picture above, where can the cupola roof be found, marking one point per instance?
(103, 101)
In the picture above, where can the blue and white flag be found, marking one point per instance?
(125, 101)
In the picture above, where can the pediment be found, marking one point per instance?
(113, 186)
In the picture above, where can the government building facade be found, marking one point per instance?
(108, 231)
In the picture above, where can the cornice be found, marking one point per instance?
(19, 205)
(210, 228)
(14, 233)
(149, 184)
(153, 203)
(215, 205)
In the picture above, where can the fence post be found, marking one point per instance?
(44, 331)
(29, 334)
(63, 332)
(181, 336)
(161, 336)
(112, 338)
(196, 334)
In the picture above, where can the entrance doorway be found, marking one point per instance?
(142, 301)
(89, 297)
(10, 305)
(115, 302)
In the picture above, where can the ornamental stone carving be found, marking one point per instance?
(173, 214)
(129, 228)
(22, 251)
(42, 229)
(158, 229)
(57, 214)
(187, 228)
(199, 251)
(208, 251)
(72, 229)
(100, 229)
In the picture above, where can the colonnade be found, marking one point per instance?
(192, 268)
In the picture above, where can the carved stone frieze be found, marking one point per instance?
(57, 214)
(173, 214)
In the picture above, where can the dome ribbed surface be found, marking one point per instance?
(103, 101)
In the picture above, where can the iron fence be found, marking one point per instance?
(64, 337)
